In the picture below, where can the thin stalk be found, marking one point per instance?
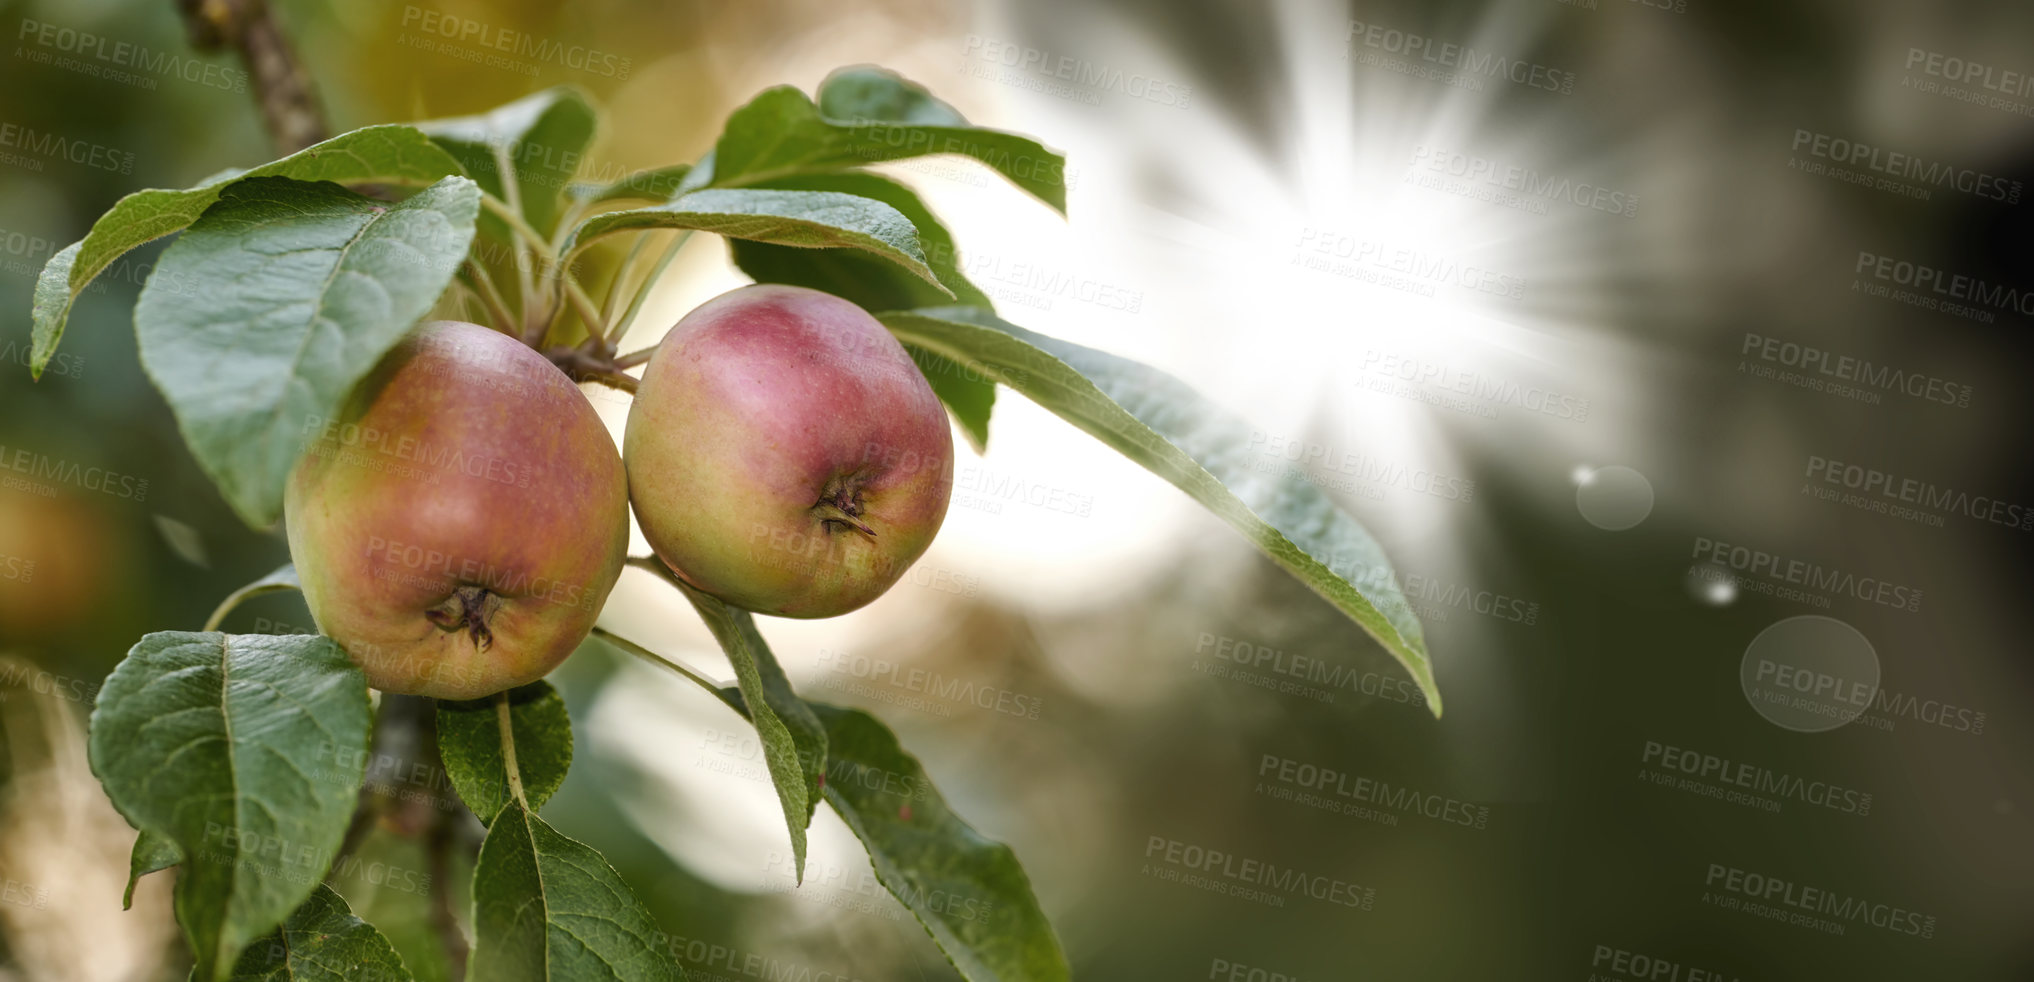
(497, 308)
(621, 278)
(656, 659)
(467, 303)
(512, 213)
(570, 220)
(595, 324)
(574, 293)
(235, 598)
(525, 235)
(508, 748)
(621, 329)
(634, 358)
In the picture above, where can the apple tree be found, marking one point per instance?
(382, 340)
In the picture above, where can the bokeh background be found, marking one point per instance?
(1515, 318)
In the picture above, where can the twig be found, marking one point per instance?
(402, 731)
(289, 104)
(438, 842)
(366, 815)
(582, 365)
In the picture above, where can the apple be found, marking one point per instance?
(459, 525)
(785, 454)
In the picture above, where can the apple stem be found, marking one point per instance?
(853, 524)
(841, 502)
(467, 609)
(840, 506)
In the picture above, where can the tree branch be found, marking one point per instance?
(438, 844)
(289, 104)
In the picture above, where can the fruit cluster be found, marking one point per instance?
(783, 453)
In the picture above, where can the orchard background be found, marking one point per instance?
(1452, 306)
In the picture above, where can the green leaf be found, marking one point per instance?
(867, 92)
(967, 396)
(322, 942)
(246, 752)
(544, 136)
(469, 740)
(966, 889)
(398, 155)
(876, 285)
(1171, 430)
(856, 276)
(152, 853)
(299, 291)
(866, 115)
(808, 219)
(794, 741)
(56, 288)
(546, 907)
(284, 578)
(656, 184)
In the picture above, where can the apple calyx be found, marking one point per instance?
(468, 609)
(840, 506)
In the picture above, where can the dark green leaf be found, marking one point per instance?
(548, 908)
(968, 890)
(808, 219)
(657, 184)
(1168, 428)
(398, 155)
(469, 740)
(152, 853)
(866, 115)
(288, 294)
(246, 752)
(322, 942)
(794, 742)
(543, 136)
